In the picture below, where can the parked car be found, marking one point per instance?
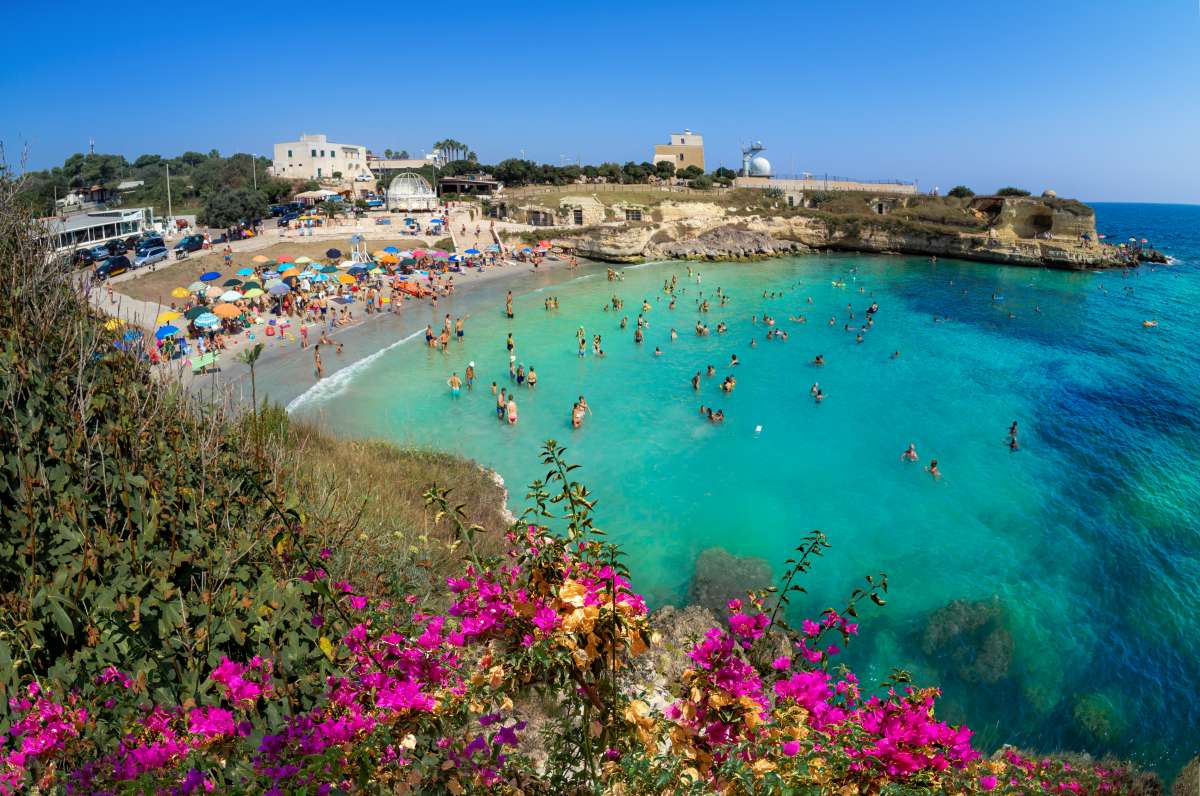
(150, 243)
(192, 243)
(154, 255)
(133, 241)
(116, 247)
(287, 218)
(99, 253)
(279, 209)
(112, 266)
(82, 257)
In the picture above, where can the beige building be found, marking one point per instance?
(314, 157)
(685, 149)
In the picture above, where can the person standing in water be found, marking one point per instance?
(455, 384)
(512, 411)
(531, 379)
(508, 309)
(932, 469)
(501, 403)
(317, 361)
(470, 375)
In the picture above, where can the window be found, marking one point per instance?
(682, 141)
(318, 171)
(289, 154)
(322, 153)
(681, 156)
(314, 153)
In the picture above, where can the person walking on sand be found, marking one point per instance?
(317, 361)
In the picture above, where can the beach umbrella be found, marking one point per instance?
(409, 261)
(418, 253)
(195, 312)
(209, 276)
(495, 247)
(284, 258)
(333, 254)
(258, 258)
(1145, 241)
(231, 283)
(375, 270)
(131, 335)
(329, 269)
(441, 255)
(226, 311)
(346, 279)
(166, 331)
(389, 258)
(303, 260)
(197, 287)
(454, 258)
(250, 285)
(166, 317)
(272, 282)
(253, 292)
(290, 272)
(472, 251)
(544, 244)
(526, 250)
(356, 270)
(319, 277)
(279, 290)
(391, 250)
(181, 292)
(245, 272)
(231, 295)
(207, 321)
(403, 253)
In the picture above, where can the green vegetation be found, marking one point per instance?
(961, 192)
(1011, 191)
(228, 207)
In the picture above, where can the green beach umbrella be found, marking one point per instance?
(329, 269)
(231, 283)
(408, 261)
(250, 285)
(195, 312)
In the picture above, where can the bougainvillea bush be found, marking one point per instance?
(441, 694)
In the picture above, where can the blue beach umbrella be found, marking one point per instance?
(472, 251)
(245, 272)
(131, 335)
(526, 250)
(209, 276)
(391, 250)
(207, 320)
(165, 331)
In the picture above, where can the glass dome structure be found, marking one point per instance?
(411, 191)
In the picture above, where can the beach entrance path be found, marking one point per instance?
(470, 239)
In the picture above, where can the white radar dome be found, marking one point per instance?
(760, 167)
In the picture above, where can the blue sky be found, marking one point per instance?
(1099, 100)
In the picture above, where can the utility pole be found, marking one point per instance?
(170, 219)
(254, 169)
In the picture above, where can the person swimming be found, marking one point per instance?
(820, 360)
(711, 371)
(696, 381)
(820, 396)
(932, 469)
(733, 360)
(909, 455)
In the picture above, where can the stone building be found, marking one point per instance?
(685, 149)
(314, 157)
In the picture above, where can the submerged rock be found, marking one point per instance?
(968, 638)
(728, 243)
(1187, 782)
(1098, 718)
(721, 576)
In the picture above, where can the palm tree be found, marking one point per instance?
(250, 357)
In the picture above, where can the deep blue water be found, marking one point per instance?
(1079, 555)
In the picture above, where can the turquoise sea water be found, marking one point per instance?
(1086, 539)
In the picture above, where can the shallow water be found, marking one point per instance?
(1087, 536)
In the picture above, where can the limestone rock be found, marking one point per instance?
(1187, 782)
(969, 639)
(729, 243)
(721, 576)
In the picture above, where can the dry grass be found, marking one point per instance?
(157, 285)
(368, 499)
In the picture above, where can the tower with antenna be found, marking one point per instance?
(753, 163)
(91, 146)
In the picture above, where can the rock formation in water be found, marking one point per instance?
(721, 576)
(968, 639)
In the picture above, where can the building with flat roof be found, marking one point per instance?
(685, 149)
(314, 157)
(97, 226)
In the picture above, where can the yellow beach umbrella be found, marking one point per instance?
(346, 279)
(260, 259)
(226, 311)
(180, 292)
(113, 324)
(290, 272)
(166, 317)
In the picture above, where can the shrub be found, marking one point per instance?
(961, 192)
(1010, 191)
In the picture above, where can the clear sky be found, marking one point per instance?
(1095, 98)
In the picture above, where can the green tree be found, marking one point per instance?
(387, 153)
(275, 189)
(690, 172)
(722, 174)
(1011, 191)
(402, 155)
(961, 192)
(664, 169)
(227, 207)
(703, 182)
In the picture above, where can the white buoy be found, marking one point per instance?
(758, 429)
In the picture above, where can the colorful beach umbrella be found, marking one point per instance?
(195, 312)
(209, 276)
(197, 287)
(544, 244)
(418, 253)
(231, 283)
(250, 285)
(319, 277)
(253, 292)
(231, 295)
(289, 272)
(181, 292)
(284, 258)
(258, 258)
(495, 247)
(303, 260)
(391, 250)
(472, 251)
(328, 269)
(408, 261)
(112, 324)
(403, 253)
(389, 258)
(207, 321)
(526, 250)
(245, 272)
(440, 255)
(346, 279)
(272, 282)
(226, 311)
(166, 317)
(166, 331)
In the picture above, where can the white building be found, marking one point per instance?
(313, 157)
(97, 226)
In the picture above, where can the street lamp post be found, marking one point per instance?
(254, 169)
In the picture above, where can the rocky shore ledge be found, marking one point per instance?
(1042, 232)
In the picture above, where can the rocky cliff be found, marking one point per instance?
(1016, 231)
